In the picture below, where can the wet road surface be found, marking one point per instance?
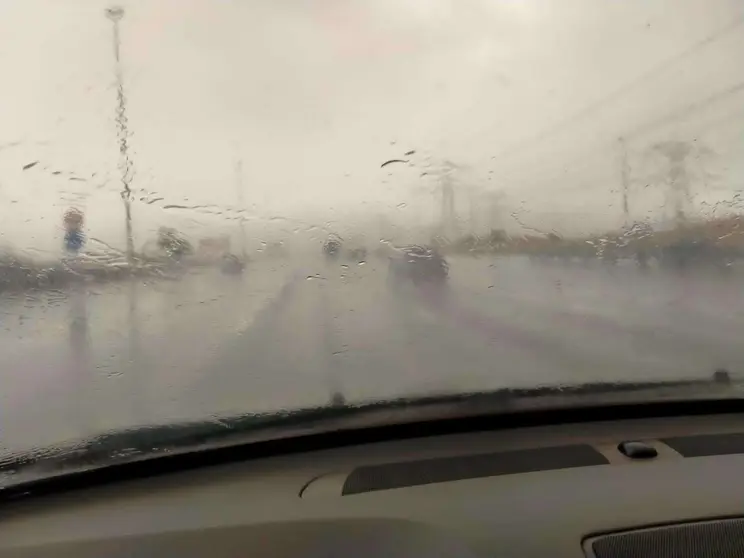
(288, 334)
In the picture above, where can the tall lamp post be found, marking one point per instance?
(115, 14)
(241, 205)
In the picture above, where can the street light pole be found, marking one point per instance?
(625, 179)
(115, 14)
(241, 204)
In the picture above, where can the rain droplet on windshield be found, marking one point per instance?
(392, 161)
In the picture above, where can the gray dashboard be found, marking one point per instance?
(297, 505)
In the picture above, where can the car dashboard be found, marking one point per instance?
(662, 486)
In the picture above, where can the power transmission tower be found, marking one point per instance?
(676, 153)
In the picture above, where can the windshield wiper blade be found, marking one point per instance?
(162, 440)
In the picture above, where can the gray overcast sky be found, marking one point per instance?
(529, 95)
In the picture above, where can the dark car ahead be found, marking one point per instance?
(357, 254)
(232, 265)
(419, 264)
(332, 247)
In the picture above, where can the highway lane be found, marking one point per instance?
(300, 333)
(615, 321)
(499, 322)
(106, 356)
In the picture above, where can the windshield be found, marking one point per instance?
(218, 209)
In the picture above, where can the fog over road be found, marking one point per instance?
(94, 358)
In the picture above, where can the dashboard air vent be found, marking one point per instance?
(413, 473)
(708, 444)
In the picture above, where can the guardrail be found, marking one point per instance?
(19, 275)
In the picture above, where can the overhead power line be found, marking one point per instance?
(652, 73)
(629, 135)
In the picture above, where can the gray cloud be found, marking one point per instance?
(313, 96)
